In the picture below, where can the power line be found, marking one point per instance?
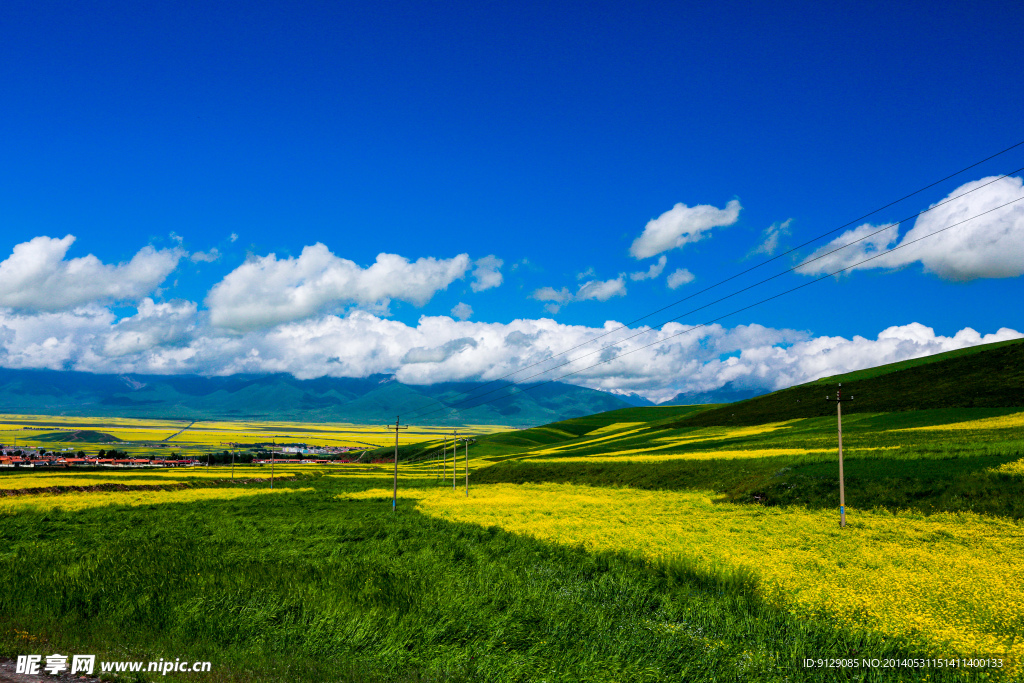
(748, 270)
(739, 310)
(419, 414)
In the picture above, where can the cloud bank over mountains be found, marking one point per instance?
(318, 314)
(657, 363)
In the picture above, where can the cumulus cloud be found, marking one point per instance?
(601, 290)
(487, 273)
(233, 237)
(679, 277)
(154, 325)
(770, 238)
(462, 311)
(37, 277)
(969, 248)
(652, 272)
(657, 363)
(681, 225)
(267, 291)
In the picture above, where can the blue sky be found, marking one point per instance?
(545, 137)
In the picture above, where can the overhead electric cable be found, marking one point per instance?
(739, 310)
(719, 300)
(755, 267)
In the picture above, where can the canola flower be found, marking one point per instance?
(29, 482)
(955, 581)
(615, 427)
(669, 442)
(1014, 420)
(1014, 467)
(82, 501)
(134, 477)
(646, 454)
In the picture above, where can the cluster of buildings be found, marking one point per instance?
(31, 459)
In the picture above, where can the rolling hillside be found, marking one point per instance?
(986, 376)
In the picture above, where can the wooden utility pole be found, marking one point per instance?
(842, 484)
(396, 427)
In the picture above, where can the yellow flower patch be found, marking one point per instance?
(955, 580)
(1003, 422)
(81, 501)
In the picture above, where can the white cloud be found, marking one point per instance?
(487, 273)
(679, 277)
(597, 290)
(988, 246)
(233, 237)
(652, 272)
(681, 225)
(36, 277)
(205, 257)
(559, 296)
(770, 238)
(267, 291)
(601, 290)
(154, 325)
(462, 311)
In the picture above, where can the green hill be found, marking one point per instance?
(79, 436)
(791, 438)
(986, 376)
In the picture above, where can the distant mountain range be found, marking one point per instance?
(282, 397)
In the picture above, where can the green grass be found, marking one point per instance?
(516, 441)
(308, 587)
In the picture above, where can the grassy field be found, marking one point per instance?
(635, 545)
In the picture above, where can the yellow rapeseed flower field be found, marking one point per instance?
(1014, 420)
(81, 501)
(135, 477)
(955, 581)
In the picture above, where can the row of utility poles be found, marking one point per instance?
(455, 455)
(397, 427)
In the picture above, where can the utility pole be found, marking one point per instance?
(455, 455)
(232, 464)
(444, 459)
(467, 466)
(397, 427)
(842, 484)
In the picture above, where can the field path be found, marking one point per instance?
(182, 431)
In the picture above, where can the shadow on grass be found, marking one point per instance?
(965, 484)
(308, 587)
